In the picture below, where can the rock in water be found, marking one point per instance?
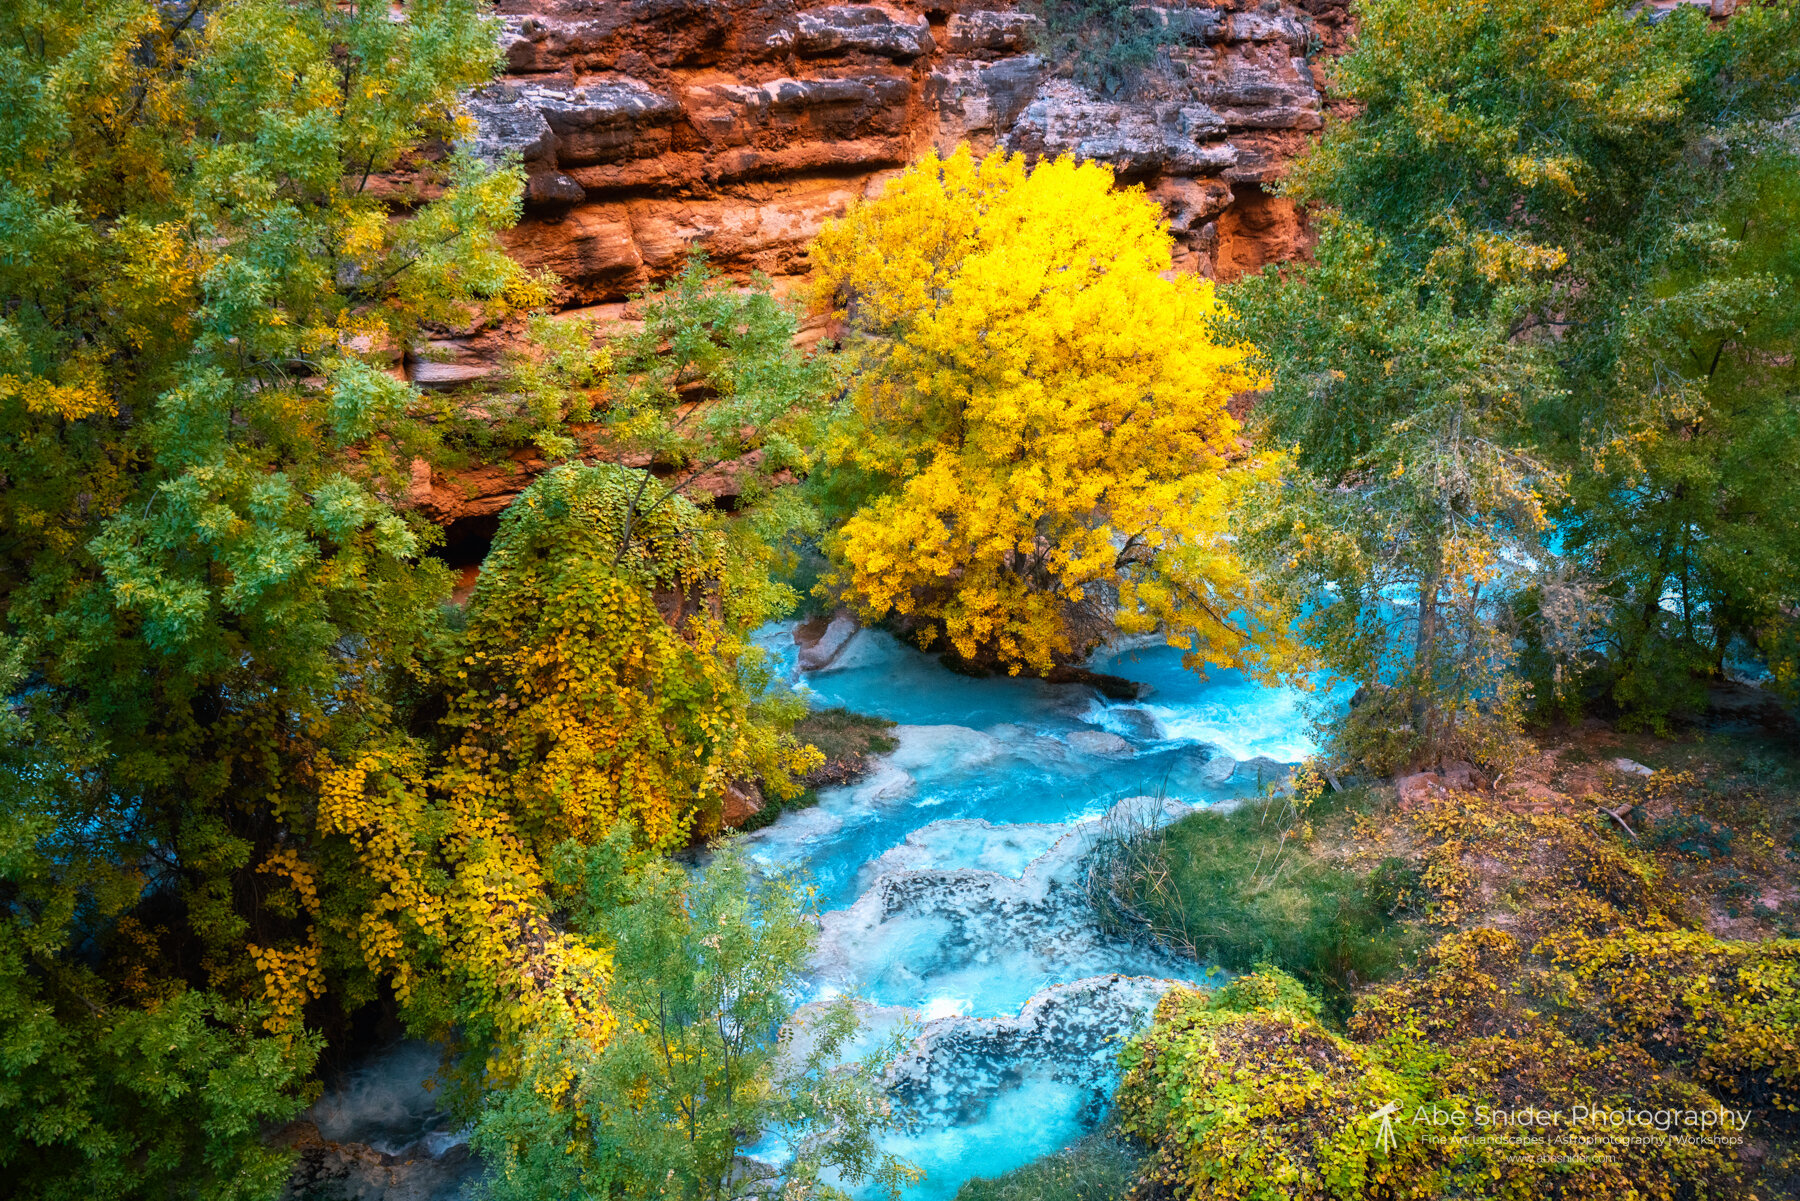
(1007, 849)
(1219, 770)
(1266, 771)
(328, 1171)
(1139, 723)
(1100, 742)
(743, 801)
(1068, 1034)
(820, 643)
(993, 939)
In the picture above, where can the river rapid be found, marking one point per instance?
(951, 876)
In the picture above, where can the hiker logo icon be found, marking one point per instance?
(1385, 1140)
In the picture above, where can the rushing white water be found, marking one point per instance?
(384, 1104)
(382, 1135)
(1020, 751)
(956, 937)
(952, 877)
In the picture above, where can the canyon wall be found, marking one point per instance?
(647, 127)
(741, 126)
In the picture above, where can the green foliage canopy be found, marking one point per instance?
(204, 281)
(1568, 226)
(705, 969)
(711, 382)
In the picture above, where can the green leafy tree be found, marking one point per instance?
(705, 969)
(554, 378)
(204, 591)
(703, 396)
(710, 389)
(592, 693)
(1594, 202)
(1416, 503)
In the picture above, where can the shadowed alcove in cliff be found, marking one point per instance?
(1257, 229)
(467, 541)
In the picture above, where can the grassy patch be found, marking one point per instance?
(1100, 1167)
(840, 734)
(1232, 889)
(1106, 45)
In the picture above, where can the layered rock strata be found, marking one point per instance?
(647, 127)
(739, 127)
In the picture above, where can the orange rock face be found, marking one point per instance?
(742, 126)
(648, 127)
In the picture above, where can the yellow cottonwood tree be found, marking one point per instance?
(1037, 432)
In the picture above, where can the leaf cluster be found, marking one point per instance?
(706, 1060)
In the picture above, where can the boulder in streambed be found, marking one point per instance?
(1219, 769)
(942, 747)
(1266, 771)
(1115, 688)
(1139, 723)
(358, 1172)
(1100, 742)
(822, 639)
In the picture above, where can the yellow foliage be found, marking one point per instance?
(457, 890)
(1730, 1009)
(1041, 411)
(71, 401)
(291, 978)
(602, 691)
(599, 687)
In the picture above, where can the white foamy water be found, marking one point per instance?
(953, 878)
(385, 1104)
(989, 936)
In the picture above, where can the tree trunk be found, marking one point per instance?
(1425, 644)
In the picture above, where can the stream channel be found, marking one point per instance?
(951, 883)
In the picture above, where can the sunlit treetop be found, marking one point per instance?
(1038, 418)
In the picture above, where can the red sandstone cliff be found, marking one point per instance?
(742, 126)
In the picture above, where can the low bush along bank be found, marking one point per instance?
(847, 740)
(1100, 1167)
(1628, 998)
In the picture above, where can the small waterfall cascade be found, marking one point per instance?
(953, 874)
